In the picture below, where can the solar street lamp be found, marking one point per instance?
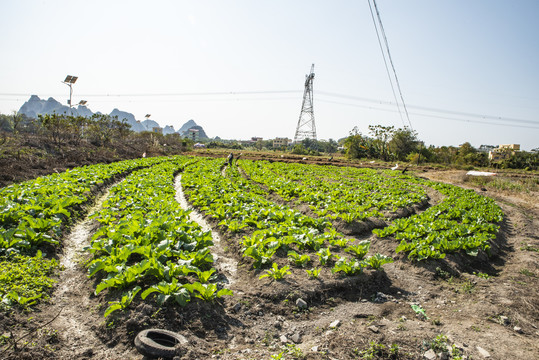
(69, 81)
(83, 102)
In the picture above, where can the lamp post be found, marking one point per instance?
(69, 81)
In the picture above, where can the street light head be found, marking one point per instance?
(148, 116)
(83, 102)
(70, 79)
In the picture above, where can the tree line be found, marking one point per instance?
(98, 130)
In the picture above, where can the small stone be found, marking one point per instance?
(363, 300)
(374, 329)
(296, 338)
(314, 348)
(485, 354)
(277, 324)
(429, 355)
(237, 307)
(283, 339)
(443, 356)
(518, 329)
(302, 304)
(335, 324)
(504, 320)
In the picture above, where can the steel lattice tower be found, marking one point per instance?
(306, 128)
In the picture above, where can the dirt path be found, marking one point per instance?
(79, 317)
(225, 265)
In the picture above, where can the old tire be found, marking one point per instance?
(158, 343)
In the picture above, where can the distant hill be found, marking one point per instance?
(36, 106)
(191, 124)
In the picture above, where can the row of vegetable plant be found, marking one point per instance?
(147, 242)
(271, 230)
(33, 214)
(336, 192)
(463, 221)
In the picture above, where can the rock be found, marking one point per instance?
(283, 339)
(429, 355)
(237, 307)
(300, 303)
(485, 354)
(314, 348)
(504, 320)
(277, 324)
(296, 338)
(443, 356)
(518, 329)
(374, 329)
(335, 324)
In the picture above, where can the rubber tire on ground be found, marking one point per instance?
(157, 343)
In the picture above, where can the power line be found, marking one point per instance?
(323, 93)
(444, 111)
(430, 116)
(385, 63)
(174, 94)
(391, 61)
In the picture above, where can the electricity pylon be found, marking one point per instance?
(306, 128)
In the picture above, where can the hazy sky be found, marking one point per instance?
(468, 69)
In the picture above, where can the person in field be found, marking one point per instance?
(229, 159)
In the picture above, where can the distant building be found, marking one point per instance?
(281, 142)
(503, 152)
(486, 148)
(256, 139)
(157, 129)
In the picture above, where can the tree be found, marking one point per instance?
(356, 145)
(382, 135)
(403, 142)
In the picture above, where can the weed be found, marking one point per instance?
(373, 350)
(475, 328)
(420, 312)
(482, 275)
(436, 322)
(268, 336)
(527, 247)
(294, 351)
(527, 272)
(467, 287)
(442, 274)
(401, 327)
(394, 350)
(438, 344)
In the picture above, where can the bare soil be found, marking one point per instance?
(498, 315)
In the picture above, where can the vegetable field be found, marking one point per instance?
(333, 237)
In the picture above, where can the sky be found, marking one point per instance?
(467, 70)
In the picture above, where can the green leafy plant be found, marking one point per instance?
(207, 292)
(276, 273)
(297, 259)
(313, 273)
(348, 267)
(420, 311)
(124, 302)
(376, 261)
